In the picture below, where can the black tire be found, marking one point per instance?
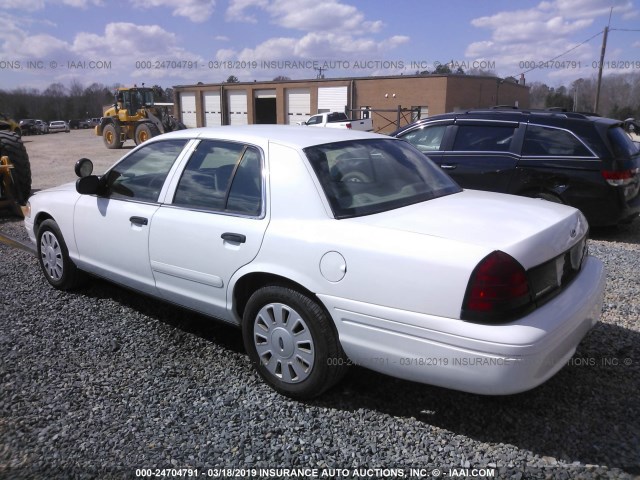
(355, 177)
(291, 342)
(111, 136)
(11, 145)
(53, 255)
(549, 197)
(145, 131)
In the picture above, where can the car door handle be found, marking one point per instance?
(139, 221)
(447, 166)
(234, 237)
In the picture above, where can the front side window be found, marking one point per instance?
(140, 176)
(363, 177)
(483, 138)
(427, 139)
(548, 141)
(222, 176)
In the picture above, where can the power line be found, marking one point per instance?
(564, 53)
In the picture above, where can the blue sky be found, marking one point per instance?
(170, 42)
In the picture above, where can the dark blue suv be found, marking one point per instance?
(581, 160)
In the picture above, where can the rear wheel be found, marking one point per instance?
(291, 342)
(111, 136)
(11, 145)
(145, 131)
(57, 266)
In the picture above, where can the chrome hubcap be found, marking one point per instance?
(284, 343)
(51, 254)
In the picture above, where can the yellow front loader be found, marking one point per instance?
(136, 116)
(15, 173)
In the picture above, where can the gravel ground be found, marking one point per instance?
(100, 382)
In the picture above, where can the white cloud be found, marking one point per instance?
(237, 10)
(312, 15)
(332, 30)
(33, 5)
(82, 3)
(542, 33)
(305, 15)
(18, 43)
(126, 40)
(195, 10)
(29, 5)
(314, 45)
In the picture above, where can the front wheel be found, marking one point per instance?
(57, 266)
(292, 343)
(111, 136)
(145, 131)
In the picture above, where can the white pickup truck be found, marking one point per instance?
(338, 120)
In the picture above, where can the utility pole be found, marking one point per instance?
(600, 65)
(602, 51)
(320, 70)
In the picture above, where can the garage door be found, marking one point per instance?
(237, 102)
(332, 99)
(212, 110)
(188, 109)
(298, 105)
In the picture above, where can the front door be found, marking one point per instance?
(112, 229)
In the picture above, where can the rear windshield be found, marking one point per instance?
(622, 144)
(362, 177)
(336, 117)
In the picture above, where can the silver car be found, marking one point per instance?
(58, 126)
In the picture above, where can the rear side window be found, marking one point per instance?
(623, 146)
(483, 138)
(548, 141)
(222, 176)
(427, 139)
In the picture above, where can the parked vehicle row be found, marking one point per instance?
(38, 127)
(584, 161)
(332, 248)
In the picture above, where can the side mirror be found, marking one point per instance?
(83, 167)
(89, 185)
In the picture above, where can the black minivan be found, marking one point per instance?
(581, 160)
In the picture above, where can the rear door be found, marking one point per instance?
(211, 225)
(483, 154)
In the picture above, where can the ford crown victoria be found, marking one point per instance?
(330, 247)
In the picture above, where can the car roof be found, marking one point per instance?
(550, 117)
(297, 136)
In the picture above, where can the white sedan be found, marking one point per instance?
(58, 126)
(330, 248)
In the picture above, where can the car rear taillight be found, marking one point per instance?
(498, 290)
(620, 177)
(348, 125)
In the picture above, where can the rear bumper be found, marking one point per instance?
(483, 359)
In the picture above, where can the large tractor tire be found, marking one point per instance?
(145, 131)
(11, 145)
(111, 136)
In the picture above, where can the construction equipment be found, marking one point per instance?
(7, 124)
(15, 173)
(135, 115)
